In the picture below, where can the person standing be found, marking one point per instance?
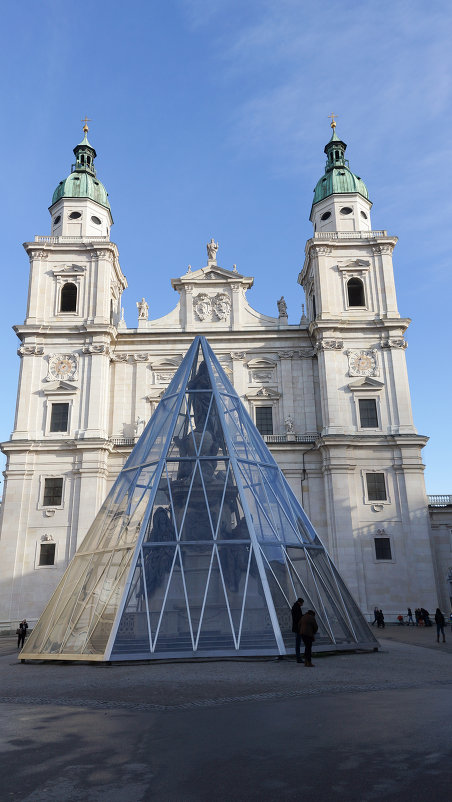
(410, 617)
(21, 632)
(375, 621)
(308, 627)
(380, 620)
(297, 613)
(440, 622)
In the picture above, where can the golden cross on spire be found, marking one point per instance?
(333, 121)
(86, 121)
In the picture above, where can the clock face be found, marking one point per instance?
(362, 363)
(62, 366)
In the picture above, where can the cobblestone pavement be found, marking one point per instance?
(373, 726)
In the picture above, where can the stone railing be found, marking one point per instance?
(284, 438)
(349, 234)
(56, 240)
(439, 501)
(269, 438)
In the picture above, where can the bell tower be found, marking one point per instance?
(370, 450)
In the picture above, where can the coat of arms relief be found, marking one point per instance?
(217, 307)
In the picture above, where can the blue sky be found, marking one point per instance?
(209, 118)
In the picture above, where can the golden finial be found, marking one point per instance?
(333, 121)
(86, 121)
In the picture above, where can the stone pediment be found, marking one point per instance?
(212, 274)
(261, 363)
(165, 364)
(59, 388)
(354, 264)
(68, 270)
(366, 383)
(263, 392)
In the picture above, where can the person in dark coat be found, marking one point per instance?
(380, 620)
(22, 633)
(307, 628)
(440, 622)
(410, 617)
(297, 613)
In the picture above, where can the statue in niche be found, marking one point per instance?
(139, 426)
(282, 307)
(158, 559)
(212, 248)
(289, 425)
(143, 309)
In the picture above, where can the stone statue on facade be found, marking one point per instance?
(282, 307)
(289, 424)
(143, 309)
(212, 248)
(139, 426)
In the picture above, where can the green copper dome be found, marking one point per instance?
(338, 177)
(82, 182)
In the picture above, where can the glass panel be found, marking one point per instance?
(182, 442)
(196, 563)
(181, 476)
(106, 572)
(46, 635)
(151, 442)
(160, 528)
(197, 524)
(306, 588)
(216, 628)
(174, 633)
(234, 560)
(233, 525)
(213, 442)
(257, 503)
(280, 585)
(214, 479)
(257, 630)
(336, 614)
(133, 635)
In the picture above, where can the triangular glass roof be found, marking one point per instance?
(200, 548)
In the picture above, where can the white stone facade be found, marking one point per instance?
(106, 379)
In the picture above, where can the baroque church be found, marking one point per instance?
(329, 394)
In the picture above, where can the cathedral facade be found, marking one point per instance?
(330, 394)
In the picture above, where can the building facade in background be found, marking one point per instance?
(330, 394)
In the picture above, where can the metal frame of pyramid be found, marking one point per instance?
(200, 548)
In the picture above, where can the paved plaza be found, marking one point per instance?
(374, 726)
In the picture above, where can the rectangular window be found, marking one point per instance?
(264, 420)
(59, 417)
(53, 492)
(376, 487)
(368, 413)
(382, 548)
(47, 554)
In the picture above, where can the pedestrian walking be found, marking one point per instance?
(21, 633)
(410, 617)
(308, 627)
(375, 621)
(297, 613)
(440, 622)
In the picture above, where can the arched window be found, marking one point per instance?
(355, 292)
(68, 298)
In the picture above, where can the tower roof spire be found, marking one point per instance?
(338, 178)
(82, 181)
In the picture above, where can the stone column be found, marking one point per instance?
(236, 306)
(239, 373)
(287, 405)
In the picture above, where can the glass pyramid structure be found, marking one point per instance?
(200, 548)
